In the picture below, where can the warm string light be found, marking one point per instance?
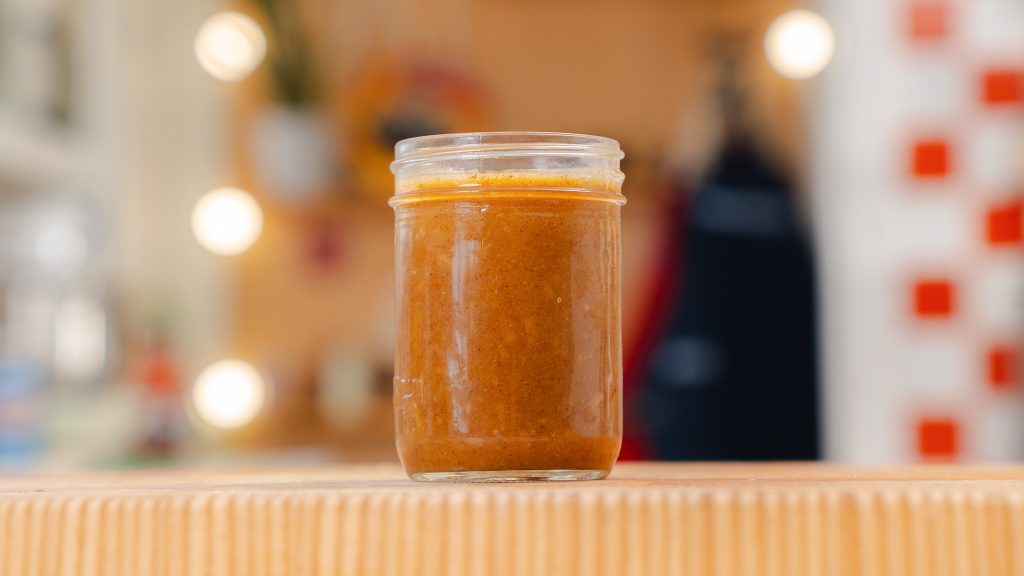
(230, 45)
(799, 44)
(227, 221)
(229, 394)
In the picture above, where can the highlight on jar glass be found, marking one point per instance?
(508, 364)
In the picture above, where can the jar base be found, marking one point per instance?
(485, 476)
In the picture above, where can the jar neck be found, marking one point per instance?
(494, 185)
(506, 162)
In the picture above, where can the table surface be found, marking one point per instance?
(786, 519)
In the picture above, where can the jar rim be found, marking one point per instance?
(498, 144)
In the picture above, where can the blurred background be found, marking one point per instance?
(822, 245)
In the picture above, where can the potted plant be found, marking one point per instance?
(292, 144)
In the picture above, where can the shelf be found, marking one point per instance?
(31, 156)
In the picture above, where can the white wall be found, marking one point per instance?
(172, 145)
(880, 229)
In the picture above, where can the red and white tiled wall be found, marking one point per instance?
(918, 126)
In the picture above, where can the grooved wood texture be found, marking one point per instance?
(647, 519)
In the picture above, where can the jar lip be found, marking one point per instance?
(497, 144)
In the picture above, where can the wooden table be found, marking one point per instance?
(647, 519)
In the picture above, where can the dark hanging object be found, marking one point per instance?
(734, 376)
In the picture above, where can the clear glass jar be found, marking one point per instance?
(508, 363)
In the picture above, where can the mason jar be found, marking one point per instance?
(508, 364)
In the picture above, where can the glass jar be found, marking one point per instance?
(508, 363)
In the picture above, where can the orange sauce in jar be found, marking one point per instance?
(508, 363)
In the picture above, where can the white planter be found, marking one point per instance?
(293, 153)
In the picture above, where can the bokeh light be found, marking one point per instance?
(230, 45)
(229, 394)
(227, 221)
(799, 44)
(60, 247)
(80, 339)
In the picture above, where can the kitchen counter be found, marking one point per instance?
(788, 519)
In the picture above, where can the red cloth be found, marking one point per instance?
(658, 304)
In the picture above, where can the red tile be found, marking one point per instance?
(938, 438)
(934, 298)
(1002, 367)
(1002, 87)
(928, 20)
(930, 159)
(1004, 224)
